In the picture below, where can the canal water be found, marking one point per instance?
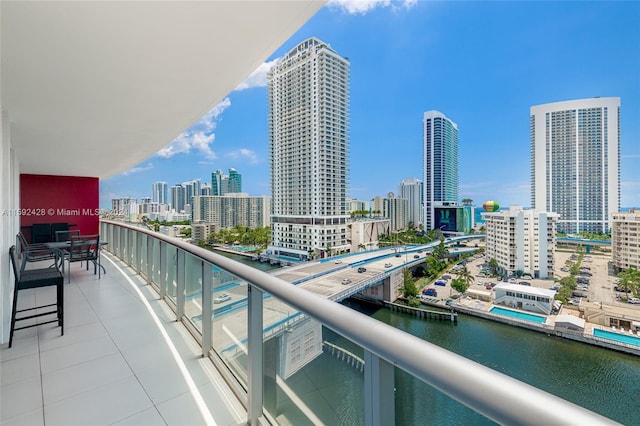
(601, 380)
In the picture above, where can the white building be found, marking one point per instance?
(309, 144)
(397, 211)
(232, 209)
(575, 162)
(364, 234)
(524, 297)
(521, 240)
(159, 193)
(412, 190)
(440, 163)
(625, 240)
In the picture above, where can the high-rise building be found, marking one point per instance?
(191, 189)
(159, 193)
(575, 162)
(177, 198)
(206, 189)
(233, 209)
(309, 145)
(397, 211)
(234, 182)
(440, 163)
(412, 191)
(218, 183)
(521, 240)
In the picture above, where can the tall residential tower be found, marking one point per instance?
(412, 190)
(575, 162)
(440, 164)
(309, 144)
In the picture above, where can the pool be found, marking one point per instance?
(518, 315)
(618, 337)
(245, 248)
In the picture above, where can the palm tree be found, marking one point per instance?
(467, 201)
(465, 275)
(629, 280)
(361, 247)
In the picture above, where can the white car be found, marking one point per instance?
(222, 298)
(338, 261)
(346, 281)
(634, 300)
(388, 265)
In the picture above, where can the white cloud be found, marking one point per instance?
(138, 169)
(198, 137)
(258, 78)
(245, 154)
(361, 7)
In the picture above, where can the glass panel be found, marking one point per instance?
(230, 321)
(311, 374)
(142, 241)
(155, 263)
(133, 249)
(171, 261)
(193, 291)
(122, 244)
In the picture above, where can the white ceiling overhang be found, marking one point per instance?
(93, 88)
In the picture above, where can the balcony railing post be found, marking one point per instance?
(255, 349)
(379, 397)
(207, 308)
(180, 283)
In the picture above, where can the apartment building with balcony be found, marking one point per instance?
(625, 240)
(411, 189)
(575, 162)
(309, 150)
(521, 240)
(233, 209)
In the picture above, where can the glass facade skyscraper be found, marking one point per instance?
(440, 163)
(159, 193)
(309, 144)
(575, 162)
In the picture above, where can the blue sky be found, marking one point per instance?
(483, 64)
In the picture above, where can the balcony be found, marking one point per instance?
(136, 350)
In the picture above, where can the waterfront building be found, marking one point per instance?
(524, 297)
(177, 198)
(575, 162)
(440, 163)
(232, 209)
(309, 143)
(625, 240)
(411, 189)
(159, 192)
(120, 206)
(521, 240)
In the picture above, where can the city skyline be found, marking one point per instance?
(488, 87)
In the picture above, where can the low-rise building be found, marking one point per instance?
(527, 298)
(364, 234)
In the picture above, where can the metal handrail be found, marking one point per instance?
(494, 395)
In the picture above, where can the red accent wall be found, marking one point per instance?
(51, 199)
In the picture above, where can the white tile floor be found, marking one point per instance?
(112, 366)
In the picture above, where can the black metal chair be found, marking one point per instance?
(56, 227)
(40, 233)
(32, 252)
(35, 278)
(66, 235)
(84, 248)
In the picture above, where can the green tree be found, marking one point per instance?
(409, 288)
(493, 266)
(629, 281)
(465, 275)
(569, 282)
(361, 247)
(459, 285)
(440, 252)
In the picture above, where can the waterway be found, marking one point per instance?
(601, 380)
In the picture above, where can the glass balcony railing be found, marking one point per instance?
(297, 358)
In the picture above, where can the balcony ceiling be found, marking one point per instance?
(93, 88)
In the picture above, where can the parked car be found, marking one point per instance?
(440, 283)
(446, 277)
(346, 281)
(222, 298)
(634, 300)
(361, 269)
(524, 283)
(430, 292)
(448, 302)
(488, 287)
